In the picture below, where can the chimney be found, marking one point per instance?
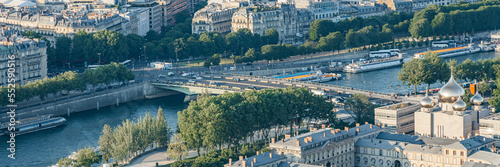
(287, 136)
(272, 140)
(323, 126)
(366, 122)
(395, 143)
(357, 129)
(310, 138)
(421, 146)
(332, 131)
(380, 125)
(297, 143)
(305, 140)
(271, 155)
(282, 140)
(324, 134)
(254, 159)
(357, 124)
(252, 163)
(405, 144)
(230, 161)
(257, 152)
(241, 157)
(429, 146)
(346, 128)
(244, 163)
(371, 126)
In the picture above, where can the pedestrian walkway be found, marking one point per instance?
(150, 159)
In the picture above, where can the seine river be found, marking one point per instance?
(45, 148)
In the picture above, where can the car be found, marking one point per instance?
(337, 100)
(191, 81)
(214, 83)
(171, 74)
(185, 74)
(199, 78)
(162, 76)
(236, 79)
(252, 87)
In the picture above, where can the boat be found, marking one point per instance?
(486, 46)
(335, 66)
(29, 125)
(497, 49)
(384, 53)
(450, 52)
(327, 77)
(376, 64)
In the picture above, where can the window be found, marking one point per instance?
(447, 152)
(430, 158)
(461, 153)
(439, 159)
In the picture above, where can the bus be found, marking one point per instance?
(126, 62)
(444, 44)
(385, 53)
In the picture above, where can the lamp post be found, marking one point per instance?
(99, 54)
(176, 59)
(211, 73)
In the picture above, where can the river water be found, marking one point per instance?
(46, 147)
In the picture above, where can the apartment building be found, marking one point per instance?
(398, 118)
(30, 57)
(213, 17)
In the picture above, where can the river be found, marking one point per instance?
(46, 147)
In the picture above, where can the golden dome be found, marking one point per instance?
(459, 105)
(476, 99)
(451, 91)
(426, 102)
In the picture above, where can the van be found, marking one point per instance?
(232, 68)
(191, 81)
(199, 78)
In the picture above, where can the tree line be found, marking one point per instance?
(432, 69)
(225, 120)
(122, 142)
(456, 19)
(66, 82)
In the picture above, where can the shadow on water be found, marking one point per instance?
(45, 148)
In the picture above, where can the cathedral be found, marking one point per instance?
(449, 117)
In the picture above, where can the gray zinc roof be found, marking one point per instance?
(260, 159)
(470, 143)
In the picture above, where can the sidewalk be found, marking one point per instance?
(160, 157)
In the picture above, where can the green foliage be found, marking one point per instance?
(271, 36)
(212, 61)
(429, 70)
(63, 49)
(86, 157)
(230, 118)
(361, 107)
(130, 137)
(334, 41)
(177, 148)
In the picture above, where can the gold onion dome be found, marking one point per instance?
(476, 99)
(451, 91)
(459, 105)
(426, 102)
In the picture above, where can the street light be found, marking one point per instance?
(176, 59)
(211, 73)
(99, 54)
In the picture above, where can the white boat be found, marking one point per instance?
(29, 125)
(384, 53)
(450, 52)
(372, 65)
(486, 46)
(327, 77)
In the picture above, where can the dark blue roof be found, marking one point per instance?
(400, 138)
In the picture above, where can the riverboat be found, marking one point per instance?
(318, 76)
(29, 125)
(375, 64)
(450, 52)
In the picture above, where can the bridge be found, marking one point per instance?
(229, 84)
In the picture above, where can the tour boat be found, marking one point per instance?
(376, 64)
(29, 125)
(450, 52)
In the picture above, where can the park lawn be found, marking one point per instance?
(199, 63)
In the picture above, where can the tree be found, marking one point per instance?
(63, 49)
(420, 28)
(151, 35)
(334, 41)
(135, 45)
(483, 87)
(441, 24)
(65, 162)
(271, 36)
(361, 108)
(86, 157)
(435, 69)
(105, 142)
(320, 28)
(177, 147)
(212, 61)
(412, 73)
(182, 16)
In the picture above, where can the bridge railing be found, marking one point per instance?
(201, 85)
(308, 84)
